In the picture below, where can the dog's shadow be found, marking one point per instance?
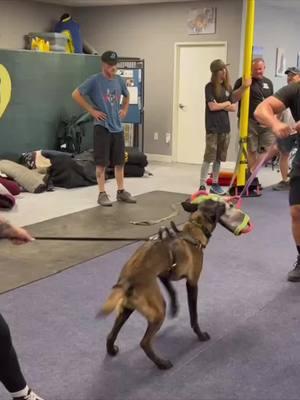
(131, 372)
(121, 376)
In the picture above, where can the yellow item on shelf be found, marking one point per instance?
(39, 44)
(70, 46)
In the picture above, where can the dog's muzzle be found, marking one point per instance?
(234, 220)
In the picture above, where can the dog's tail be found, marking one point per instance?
(114, 300)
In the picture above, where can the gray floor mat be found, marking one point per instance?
(25, 264)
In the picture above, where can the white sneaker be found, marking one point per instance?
(30, 396)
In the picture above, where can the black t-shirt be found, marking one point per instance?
(260, 89)
(216, 121)
(290, 97)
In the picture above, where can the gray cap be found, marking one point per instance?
(292, 70)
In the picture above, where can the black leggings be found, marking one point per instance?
(10, 371)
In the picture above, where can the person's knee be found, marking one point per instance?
(295, 214)
(100, 170)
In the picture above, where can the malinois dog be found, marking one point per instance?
(172, 256)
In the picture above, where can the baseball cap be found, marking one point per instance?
(217, 65)
(292, 70)
(110, 57)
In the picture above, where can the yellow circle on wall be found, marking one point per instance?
(5, 89)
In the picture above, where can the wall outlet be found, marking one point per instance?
(168, 137)
(155, 135)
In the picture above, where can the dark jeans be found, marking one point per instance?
(10, 371)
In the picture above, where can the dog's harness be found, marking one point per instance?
(187, 238)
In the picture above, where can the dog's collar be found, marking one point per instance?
(206, 232)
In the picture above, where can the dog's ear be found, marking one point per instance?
(189, 207)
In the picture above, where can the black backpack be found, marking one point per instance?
(70, 133)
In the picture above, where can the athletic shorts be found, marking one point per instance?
(259, 138)
(287, 145)
(216, 147)
(294, 198)
(109, 148)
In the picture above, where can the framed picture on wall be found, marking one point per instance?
(280, 62)
(257, 52)
(298, 59)
(202, 21)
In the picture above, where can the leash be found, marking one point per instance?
(95, 238)
(157, 221)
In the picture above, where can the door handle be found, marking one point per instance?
(181, 106)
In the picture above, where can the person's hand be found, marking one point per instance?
(297, 127)
(246, 83)
(122, 114)
(98, 115)
(17, 235)
(281, 129)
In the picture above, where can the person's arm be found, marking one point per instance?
(77, 96)
(214, 106)
(239, 89)
(16, 235)
(85, 89)
(211, 101)
(231, 108)
(266, 114)
(125, 103)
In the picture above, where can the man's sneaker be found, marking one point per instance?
(216, 189)
(294, 275)
(30, 396)
(202, 188)
(125, 197)
(282, 185)
(104, 200)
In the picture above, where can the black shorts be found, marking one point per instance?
(109, 148)
(295, 191)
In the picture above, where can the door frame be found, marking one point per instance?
(177, 47)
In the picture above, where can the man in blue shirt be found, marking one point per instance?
(104, 92)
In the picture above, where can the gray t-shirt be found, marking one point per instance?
(105, 94)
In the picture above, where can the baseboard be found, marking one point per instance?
(168, 159)
(159, 157)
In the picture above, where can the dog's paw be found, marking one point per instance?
(112, 350)
(204, 336)
(164, 364)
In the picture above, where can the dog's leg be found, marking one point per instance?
(173, 296)
(192, 293)
(112, 349)
(146, 344)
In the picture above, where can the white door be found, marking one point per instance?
(193, 73)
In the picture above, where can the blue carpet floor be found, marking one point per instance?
(245, 303)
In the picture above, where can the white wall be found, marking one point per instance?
(277, 27)
(149, 32)
(18, 17)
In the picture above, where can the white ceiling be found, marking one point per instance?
(88, 3)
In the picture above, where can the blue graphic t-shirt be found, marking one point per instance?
(105, 94)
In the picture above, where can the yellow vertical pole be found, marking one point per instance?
(244, 116)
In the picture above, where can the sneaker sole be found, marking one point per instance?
(293, 279)
(127, 202)
(105, 205)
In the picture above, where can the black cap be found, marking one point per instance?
(110, 57)
(292, 70)
(217, 65)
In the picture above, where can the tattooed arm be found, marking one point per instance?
(16, 235)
